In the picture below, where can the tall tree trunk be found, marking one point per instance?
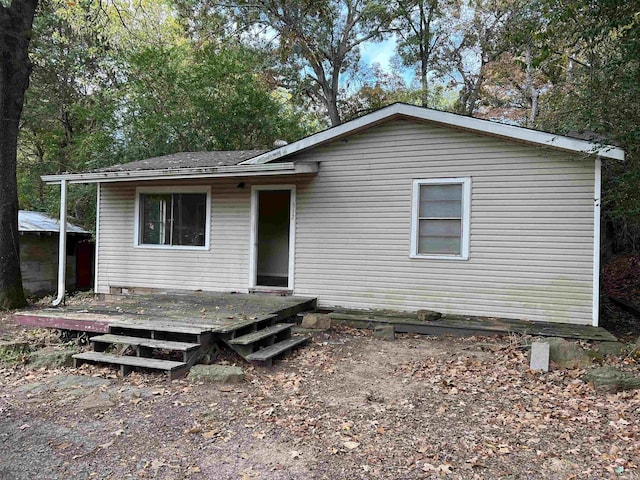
(16, 22)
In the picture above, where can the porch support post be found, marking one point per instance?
(62, 244)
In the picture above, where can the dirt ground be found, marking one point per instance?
(348, 406)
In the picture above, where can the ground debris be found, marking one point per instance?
(348, 406)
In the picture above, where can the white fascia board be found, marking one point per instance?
(285, 168)
(400, 110)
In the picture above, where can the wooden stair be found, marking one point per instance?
(146, 339)
(263, 341)
(258, 341)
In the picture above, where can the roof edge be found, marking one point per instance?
(183, 173)
(402, 110)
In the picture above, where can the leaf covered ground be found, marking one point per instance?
(348, 406)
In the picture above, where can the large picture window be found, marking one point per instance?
(440, 218)
(172, 219)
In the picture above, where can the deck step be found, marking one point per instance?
(258, 335)
(146, 342)
(267, 354)
(173, 369)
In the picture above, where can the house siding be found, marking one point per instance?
(224, 267)
(531, 242)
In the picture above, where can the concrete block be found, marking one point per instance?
(316, 321)
(539, 356)
(216, 374)
(385, 332)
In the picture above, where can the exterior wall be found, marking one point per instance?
(39, 264)
(224, 267)
(531, 245)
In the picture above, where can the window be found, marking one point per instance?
(172, 219)
(440, 218)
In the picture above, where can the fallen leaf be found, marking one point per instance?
(351, 445)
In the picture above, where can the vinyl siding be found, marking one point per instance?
(531, 241)
(224, 267)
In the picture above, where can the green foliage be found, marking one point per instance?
(186, 98)
(112, 84)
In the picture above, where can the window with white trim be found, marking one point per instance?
(440, 218)
(172, 219)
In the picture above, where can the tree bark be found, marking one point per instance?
(16, 23)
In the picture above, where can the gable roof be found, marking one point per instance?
(186, 160)
(411, 112)
(273, 162)
(38, 222)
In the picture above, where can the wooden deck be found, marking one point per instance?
(458, 326)
(205, 312)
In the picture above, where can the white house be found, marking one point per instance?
(405, 208)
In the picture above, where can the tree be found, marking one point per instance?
(421, 36)
(68, 117)
(478, 41)
(320, 39)
(16, 21)
(187, 97)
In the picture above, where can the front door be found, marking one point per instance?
(272, 242)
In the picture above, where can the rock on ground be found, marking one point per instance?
(51, 357)
(567, 354)
(611, 379)
(385, 332)
(611, 348)
(216, 373)
(316, 321)
(428, 315)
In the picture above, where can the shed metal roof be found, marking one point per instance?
(38, 222)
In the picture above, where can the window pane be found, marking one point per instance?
(439, 237)
(440, 201)
(189, 218)
(154, 219)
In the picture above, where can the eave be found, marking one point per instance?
(241, 170)
(399, 111)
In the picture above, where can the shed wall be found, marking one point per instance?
(531, 245)
(39, 263)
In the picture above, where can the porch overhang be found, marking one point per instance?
(269, 169)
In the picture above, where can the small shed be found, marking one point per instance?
(39, 254)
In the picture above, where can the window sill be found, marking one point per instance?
(439, 257)
(173, 247)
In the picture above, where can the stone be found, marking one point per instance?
(611, 379)
(14, 346)
(428, 315)
(385, 332)
(612, 348)
(51, 357)
(316, 321)
(565, 354)
(13, 351)
(539, 358)
(95, 401)
(216, 374)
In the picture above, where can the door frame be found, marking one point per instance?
(253, 242)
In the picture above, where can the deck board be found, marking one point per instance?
(206, 312)
(466, 326)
